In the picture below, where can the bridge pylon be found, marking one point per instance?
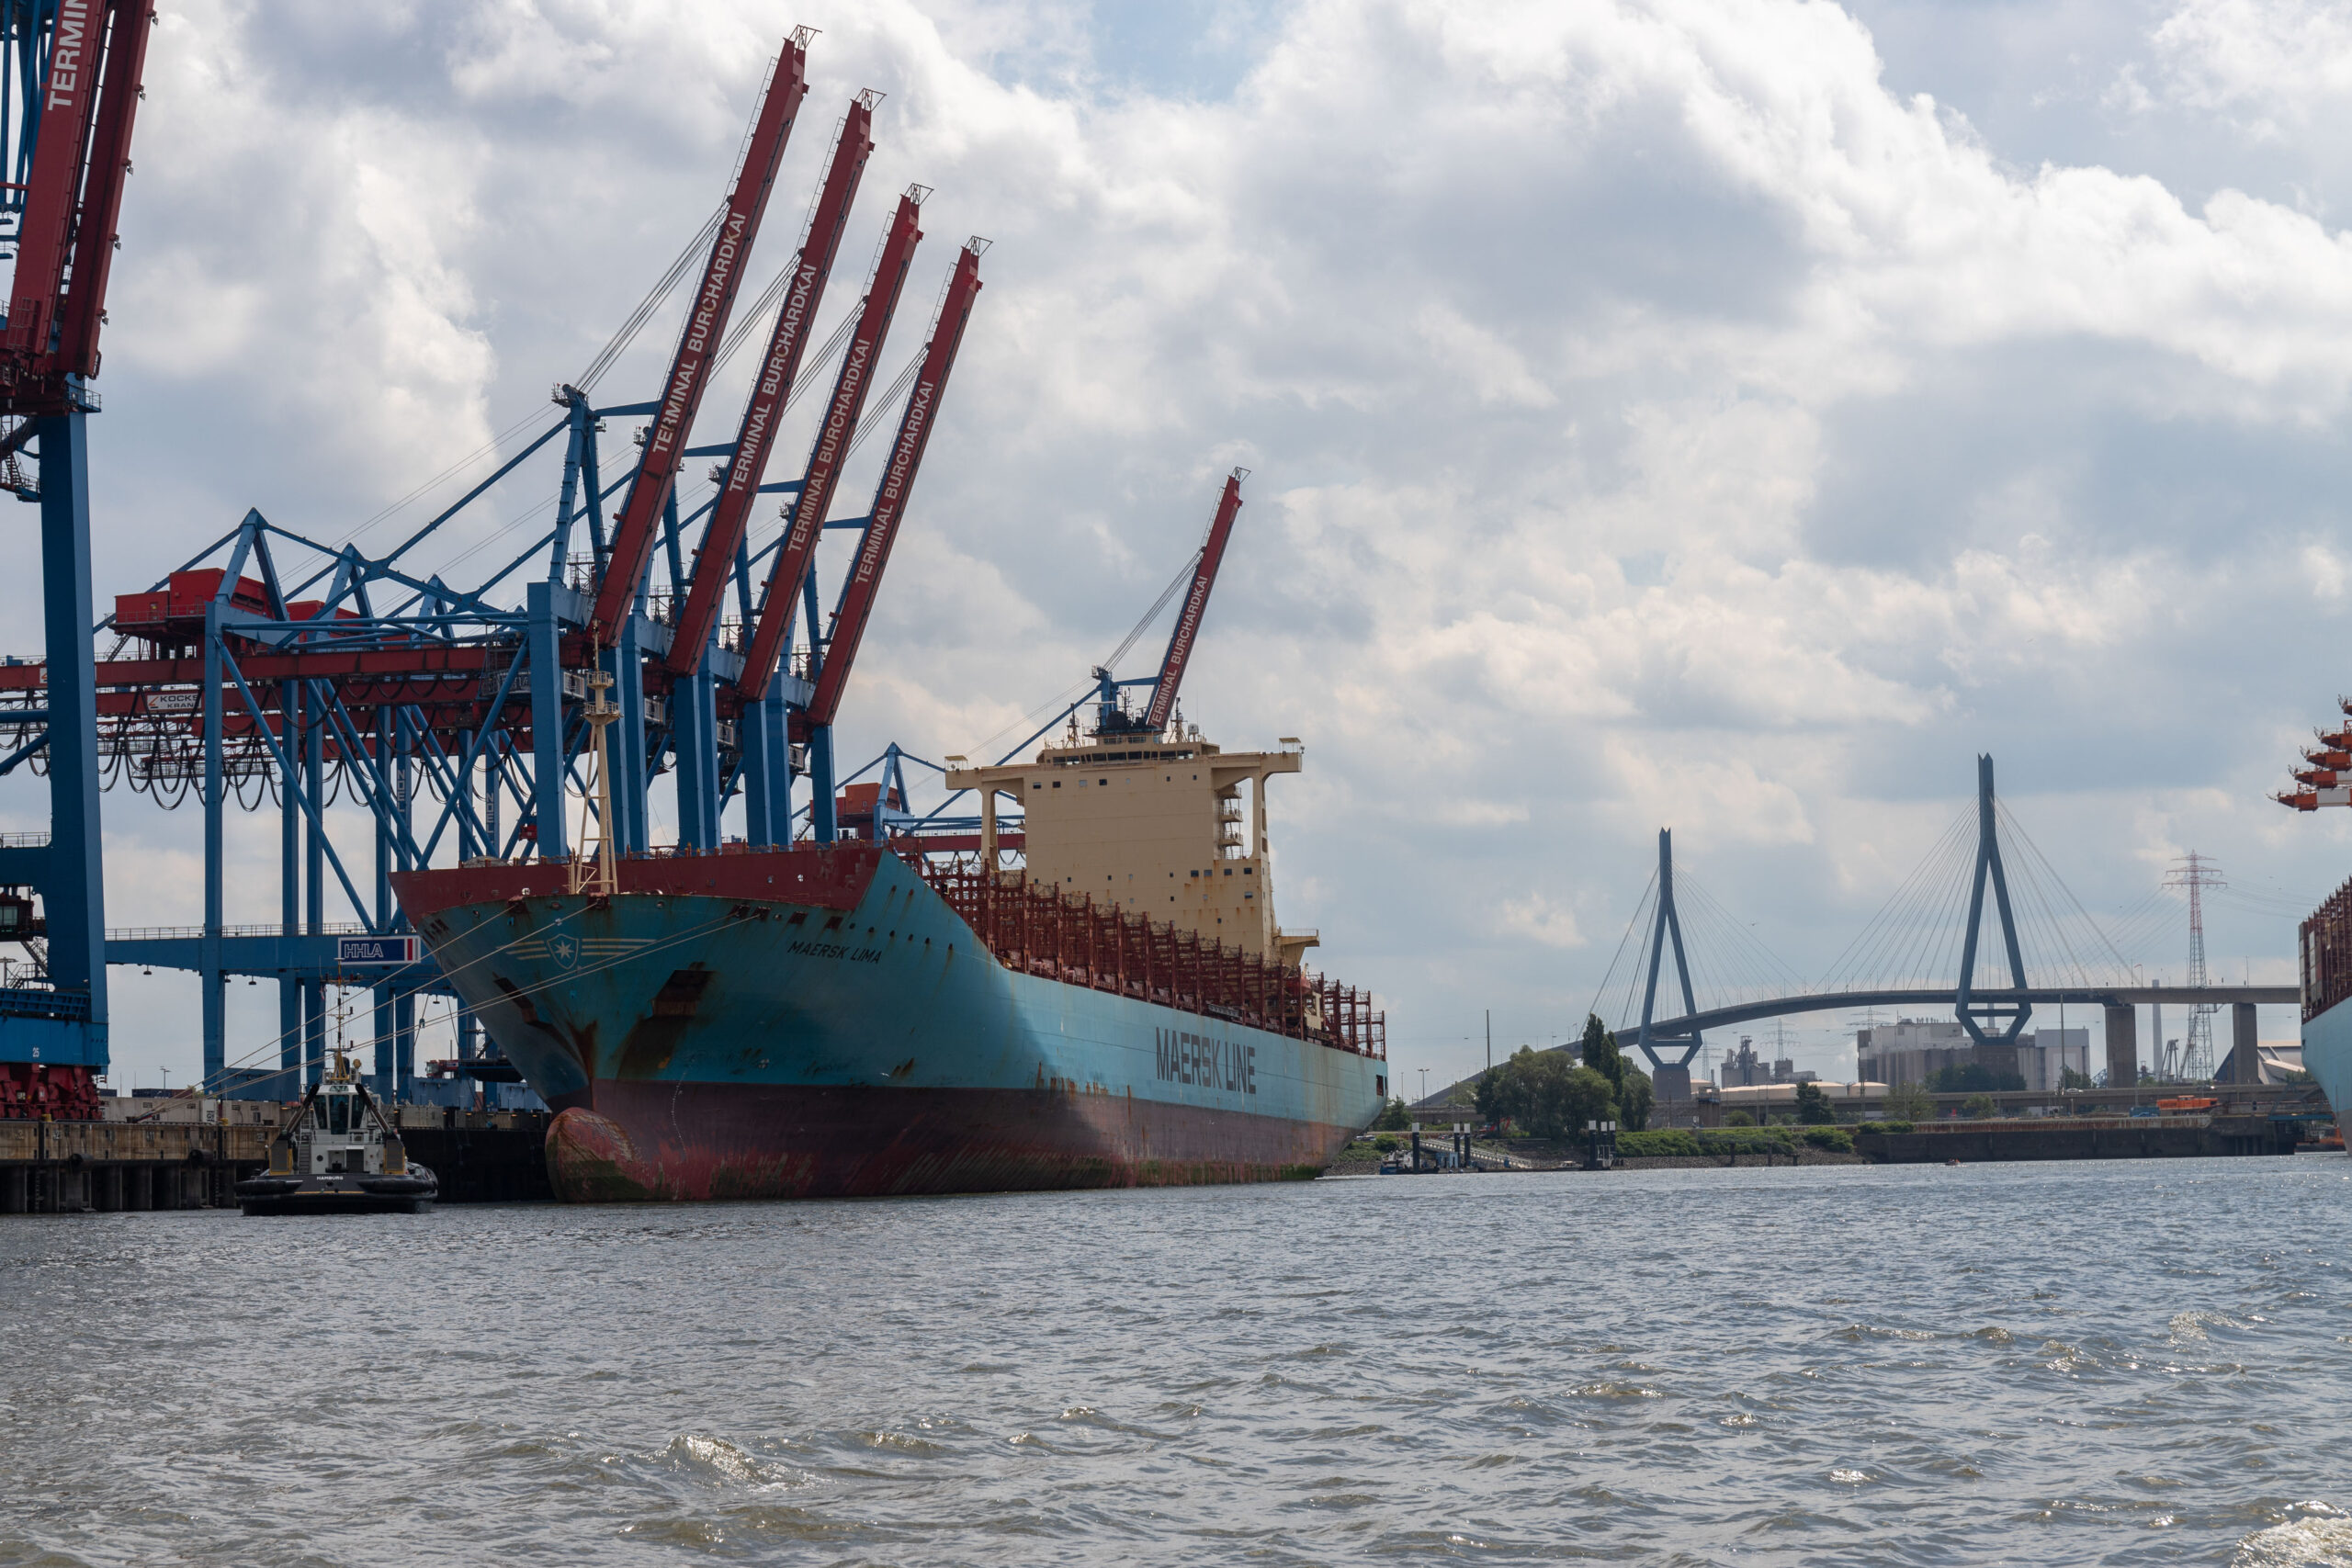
(1975, 1016)
(1673, 1078)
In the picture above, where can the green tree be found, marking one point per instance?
(1498, 1093)
(1738, 1119)
(1635, 1099)
(1909, 1102)
(1813, 1106)
(2069, 1078)
(1977, 1107)
(1600, 1053)
(1393, 1118)
(1544, 1094)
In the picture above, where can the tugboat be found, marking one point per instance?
(340, 1157)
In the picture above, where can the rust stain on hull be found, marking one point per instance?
(768, 1143)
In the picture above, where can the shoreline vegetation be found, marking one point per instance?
(1672, 1148)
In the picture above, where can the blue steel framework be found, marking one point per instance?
(390, 679)
(277, 663)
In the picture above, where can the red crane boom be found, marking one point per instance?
(109, 166)
(97, 52)
(1197, 603)
(698, 343)
(833, 437)
(897, 481)
(810, 269)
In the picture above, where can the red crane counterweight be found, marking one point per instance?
(698, 341)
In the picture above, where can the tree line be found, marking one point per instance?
(1552, 1094)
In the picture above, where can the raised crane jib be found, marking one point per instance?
(698, 342)
(807, 516)
(74, 194)
(773, 388)
(898, 481)
(1196, 602)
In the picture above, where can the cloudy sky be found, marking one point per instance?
(1726, 416)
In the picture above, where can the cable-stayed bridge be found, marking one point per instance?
(1984, 926)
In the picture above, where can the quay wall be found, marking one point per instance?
(52, 1167)
(2120, 1138)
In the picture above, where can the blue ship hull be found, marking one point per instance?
(2327, 1056)
(820, 1024)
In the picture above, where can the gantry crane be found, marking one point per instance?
(76, 67)
(270, 664)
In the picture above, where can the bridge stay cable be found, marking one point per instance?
(1716, 932)
(1882, 949)
(1600, 993)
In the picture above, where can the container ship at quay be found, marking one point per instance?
(870, 1017)
(2324, 944)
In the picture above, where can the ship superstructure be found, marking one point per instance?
(1156, 824)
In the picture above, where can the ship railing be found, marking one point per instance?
(1070, 938)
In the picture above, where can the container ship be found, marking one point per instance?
(2324, 942)
(2325, 947)
(875, 1017)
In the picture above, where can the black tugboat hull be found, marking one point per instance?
(410, 1194)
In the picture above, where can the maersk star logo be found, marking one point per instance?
(566, 948)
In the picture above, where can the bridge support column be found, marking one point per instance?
(2245, 1054)
(2122, 1045)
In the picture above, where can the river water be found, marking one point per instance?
(2114, 1363)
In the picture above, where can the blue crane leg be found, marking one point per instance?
(821, 783)
(289, 893)
(314, 885)
(383, 1083)
(627, 739)
(73, 894)
(767, 772)
(216, 1000)
(546, 721)
(696, 718)
(775, 734)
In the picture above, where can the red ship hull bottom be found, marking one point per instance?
(654, 1142)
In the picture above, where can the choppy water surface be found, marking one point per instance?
(2086, 1364)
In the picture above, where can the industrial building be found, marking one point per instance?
(1914, 1050)
(1744, 1069)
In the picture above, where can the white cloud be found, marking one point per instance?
(1536, 919)
(2264, 62)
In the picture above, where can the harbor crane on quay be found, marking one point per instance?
(273, 665)
(69, 74)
